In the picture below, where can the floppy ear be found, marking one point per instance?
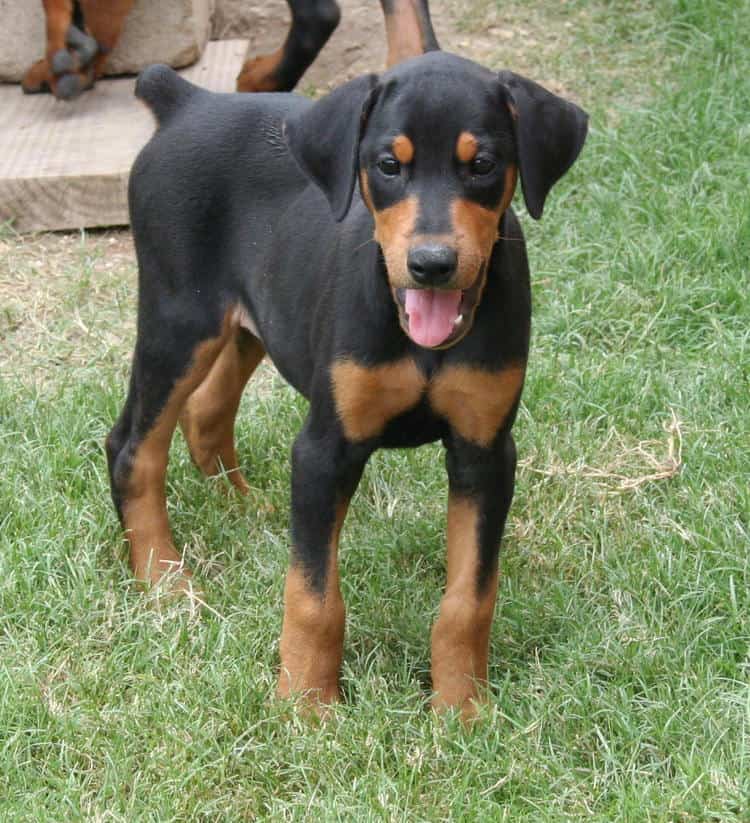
(549, 132)
(324, 140)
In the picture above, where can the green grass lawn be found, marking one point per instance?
(620, 658)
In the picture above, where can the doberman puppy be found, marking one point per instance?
(82, 33)
(366, 243)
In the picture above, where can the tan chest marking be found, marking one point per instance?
(368, 397)
(474, 401)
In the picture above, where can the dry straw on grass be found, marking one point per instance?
(631, 467)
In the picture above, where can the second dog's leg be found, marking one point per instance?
(58, 15)
(313, 22)
(105, 20)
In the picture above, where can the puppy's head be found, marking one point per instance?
(437, 145)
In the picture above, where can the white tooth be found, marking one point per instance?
(458, 320)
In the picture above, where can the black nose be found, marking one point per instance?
(432, 265)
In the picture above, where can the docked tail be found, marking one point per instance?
(163, 90)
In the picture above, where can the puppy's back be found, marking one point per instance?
(211, 153)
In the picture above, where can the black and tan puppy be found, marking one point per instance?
(254, 219)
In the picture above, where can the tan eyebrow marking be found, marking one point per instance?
(403, 149)
(466, 147)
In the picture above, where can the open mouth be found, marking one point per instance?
(438, 318)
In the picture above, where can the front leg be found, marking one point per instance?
(325, 472)
(481, 489)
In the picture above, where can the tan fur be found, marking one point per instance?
(207, 420)
(476, 402)
(258, 74)
(367, 398)
(466, 147)
(403, 149)
(364, 188)
(312, 635)
(394, 229)
(460, 636)
(105, 20)
(476, 230)
(152, 552)
(58, 15)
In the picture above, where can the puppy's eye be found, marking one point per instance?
(482, 165)
(389, 166)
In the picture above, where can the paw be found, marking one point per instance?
(70, 86)
(37, 78)
(316, 702)
(83, 46)
(69, 72)
(468, 708)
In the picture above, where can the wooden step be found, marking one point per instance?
(66, 165)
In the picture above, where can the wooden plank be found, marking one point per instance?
(66, 165)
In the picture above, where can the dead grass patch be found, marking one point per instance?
(629, 467)
(67, 301)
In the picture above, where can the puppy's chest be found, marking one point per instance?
(475, 402)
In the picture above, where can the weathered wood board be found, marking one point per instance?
(66, 165)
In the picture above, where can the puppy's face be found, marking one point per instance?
(437, 169)
(436, 143)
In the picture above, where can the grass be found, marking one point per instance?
(620, 659)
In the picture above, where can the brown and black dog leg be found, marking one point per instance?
(408, 29)
(167, 368)
(325, 473)
(66, 70)
(58, 18)
(313, 22)
(481, 489)
(80, 37)
(207, 420)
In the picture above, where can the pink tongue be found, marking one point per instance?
(431, 314)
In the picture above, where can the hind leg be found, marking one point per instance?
(313, 22)
(58, 17)
(207, 419)
(167, 367)
(66, 68)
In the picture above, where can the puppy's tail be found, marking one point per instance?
(163, 90)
